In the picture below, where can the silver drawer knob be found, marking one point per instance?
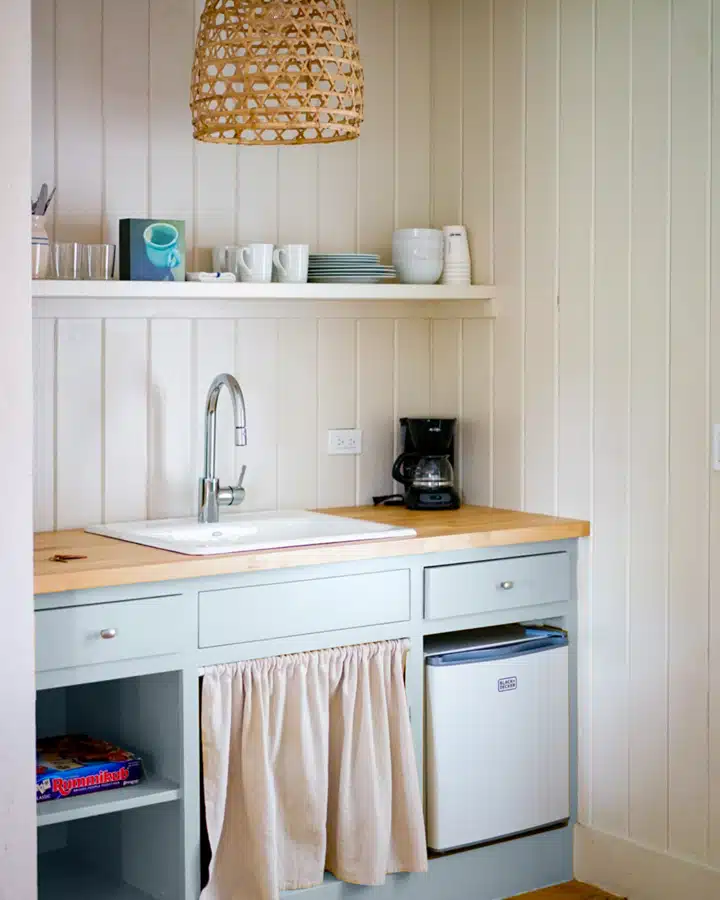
(107, 634)
(507, 585)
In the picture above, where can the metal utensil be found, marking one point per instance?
(42, 199)
(48, 202)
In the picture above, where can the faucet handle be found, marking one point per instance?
(243, 470)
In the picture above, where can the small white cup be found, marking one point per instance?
(457, 249)
(291, 263)
(220, 259)
(253, 263)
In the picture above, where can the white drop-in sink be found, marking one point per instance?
(249, 531)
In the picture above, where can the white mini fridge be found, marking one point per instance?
(497, 740)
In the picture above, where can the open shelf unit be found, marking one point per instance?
(188, 300)
(62, 877)
(150, 791)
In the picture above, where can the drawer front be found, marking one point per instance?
(107, 632)
(261, 612)
(481, 587)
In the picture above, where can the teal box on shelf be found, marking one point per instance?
(152, 250)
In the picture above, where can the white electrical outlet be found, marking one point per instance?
(345, 442)
(716, 448)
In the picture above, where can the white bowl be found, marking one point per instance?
(418, 255)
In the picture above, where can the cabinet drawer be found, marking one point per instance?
(73, 636)
(261, 612)
(480, 587)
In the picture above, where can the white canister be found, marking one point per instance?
(418, 255)
(40, 248)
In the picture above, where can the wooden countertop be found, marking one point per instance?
(111, 562)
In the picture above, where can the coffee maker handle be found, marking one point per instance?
(398, 472)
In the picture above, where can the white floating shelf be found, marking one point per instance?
(193, 300)
(148, 793)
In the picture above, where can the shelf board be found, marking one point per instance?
(148, 299)
(61, 877)
(149, 792)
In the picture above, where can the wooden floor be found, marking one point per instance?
(572, 891)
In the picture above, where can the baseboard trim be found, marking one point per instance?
(638, 873)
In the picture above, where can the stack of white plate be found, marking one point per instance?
(358, 268)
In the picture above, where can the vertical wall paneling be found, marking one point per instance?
(576, 255)
(610, 405)
(257, 195)
(298, 195)
(338, 187)
(79, 423)
(412, 347)
(476, 422)
(170, 165)
(256, 368)
(477, 141)
(376, 177)
(172, 487)
(79, 126)
(575, 359)
(376, 414)
(447, 113)
(541, 123)
(337, 396)
(297, 414)
(689, 501)
(446, 367)
(215, 189)
(43, 97)
(648, 545)
(125, 90)
(215, 192)
(125, 421)
(412, 113)
(714, 662)
(214, 354)
(44, 425)
(509, 204)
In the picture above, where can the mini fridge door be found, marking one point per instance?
(497, 741)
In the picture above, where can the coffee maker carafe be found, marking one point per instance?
(425, 467)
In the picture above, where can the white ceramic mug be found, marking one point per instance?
(418, 255)
(253, 263)
(291, 263)
(221, 262)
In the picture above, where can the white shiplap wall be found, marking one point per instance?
(599, 121)
(119, 402)
(112, 129)
(120, 405)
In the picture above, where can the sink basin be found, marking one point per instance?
(249, 531)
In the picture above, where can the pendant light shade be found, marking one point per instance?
(276, 72)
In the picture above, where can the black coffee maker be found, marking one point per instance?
(425, 467)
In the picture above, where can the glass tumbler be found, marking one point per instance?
(99, 262)
(66, 260)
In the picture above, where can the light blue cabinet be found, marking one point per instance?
(124, 664)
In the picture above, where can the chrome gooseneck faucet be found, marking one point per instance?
(212, 496)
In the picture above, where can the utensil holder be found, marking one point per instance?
(40, 244)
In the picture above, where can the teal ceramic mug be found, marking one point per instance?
(161, 239)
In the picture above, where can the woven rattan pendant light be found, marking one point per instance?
(276, 72)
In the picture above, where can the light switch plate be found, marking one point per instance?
(345, 442)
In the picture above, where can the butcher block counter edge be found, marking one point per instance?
(111, 562)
